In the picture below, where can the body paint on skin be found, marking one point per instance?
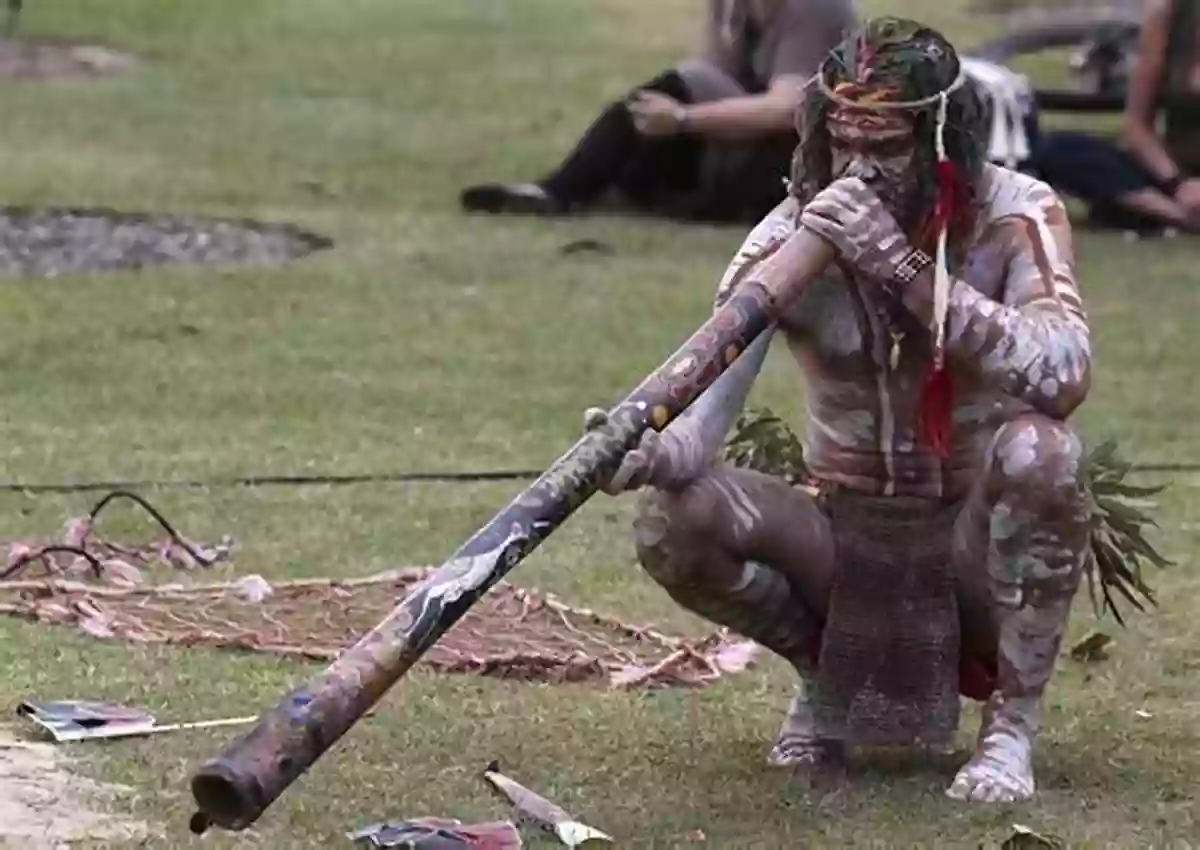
(705, 576)
(799, 743)
(1002, 770)
(1019, 347)
(1038, 535)
(698, 434)
(1035, 346)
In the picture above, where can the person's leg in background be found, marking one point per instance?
(742, 181)
(601, 160)
(713, 179)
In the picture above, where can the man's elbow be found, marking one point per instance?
(1062, 391)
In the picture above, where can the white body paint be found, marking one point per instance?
(1017, 343)
(471, 572)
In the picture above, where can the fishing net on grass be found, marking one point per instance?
(107, 590)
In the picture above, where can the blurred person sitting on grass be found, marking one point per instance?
(709, 140)
(1148, 180)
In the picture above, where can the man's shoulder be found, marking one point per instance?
(783, 220)
(1008, 193)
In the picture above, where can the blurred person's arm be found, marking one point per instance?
(810, 31)
(1140, 135)
(772, 111)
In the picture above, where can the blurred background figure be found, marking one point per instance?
(1147, 180)
(14, 15)
(709, 140)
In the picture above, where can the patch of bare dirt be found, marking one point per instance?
(43, 806)
(30, 59)
(48, 242)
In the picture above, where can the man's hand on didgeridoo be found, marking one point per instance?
(657, 461)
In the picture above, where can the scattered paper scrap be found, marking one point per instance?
(252, 588)
(722, 654)
(537, 811)
(79, 720)
(85, 720)
(438, 834)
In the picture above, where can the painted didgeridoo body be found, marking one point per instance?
(233, 789)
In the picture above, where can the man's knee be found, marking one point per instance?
(1038, 459)
(1040, 516)
(668, 528)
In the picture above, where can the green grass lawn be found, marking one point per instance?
(430, 340)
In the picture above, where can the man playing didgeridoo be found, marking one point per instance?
(938, 551)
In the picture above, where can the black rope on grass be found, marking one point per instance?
(40, 553)
(204, 560)
(367, 478)
(97, 566)
(274, 481)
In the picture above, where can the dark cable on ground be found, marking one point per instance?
(39, 554)
(368, 478)
(272, 481)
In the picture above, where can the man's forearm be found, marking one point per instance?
(1042, 357)
(695, 436)
(1141, 102)
(1147, 148)
(699, 433)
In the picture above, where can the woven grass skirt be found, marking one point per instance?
(888, 672)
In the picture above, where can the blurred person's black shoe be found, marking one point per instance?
(516, 198)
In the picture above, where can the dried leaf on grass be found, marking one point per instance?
(1024, 838)
(1093, 647)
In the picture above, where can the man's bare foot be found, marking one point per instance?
(799, 746)
(1001, 771)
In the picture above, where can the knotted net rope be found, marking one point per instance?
(107, 589)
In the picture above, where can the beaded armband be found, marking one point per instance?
(914, 262)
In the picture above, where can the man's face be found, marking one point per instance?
(877, 147)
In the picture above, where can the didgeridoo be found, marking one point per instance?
(233, 789)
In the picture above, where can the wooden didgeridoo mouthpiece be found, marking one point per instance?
(233, 789)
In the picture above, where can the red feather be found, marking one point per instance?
(949, 204)
(936, 414)
(977, 677)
